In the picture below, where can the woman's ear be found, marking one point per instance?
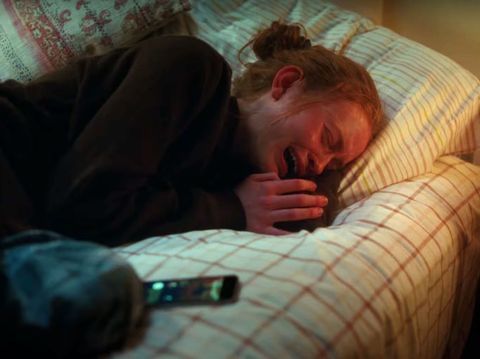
(285, 78)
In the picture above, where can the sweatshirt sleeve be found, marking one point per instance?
(109, 186)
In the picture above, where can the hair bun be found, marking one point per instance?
(279, 37)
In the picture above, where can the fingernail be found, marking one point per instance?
(323, 200)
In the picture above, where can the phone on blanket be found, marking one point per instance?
(201, 290)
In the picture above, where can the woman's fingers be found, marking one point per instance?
(282, 186)
(267, 199)
(295, 214)
(268, 176)
(293, 185)
(295, 201)
(275, 231)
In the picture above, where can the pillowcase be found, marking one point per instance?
(432, 108)
(431, 103)
(40, 36)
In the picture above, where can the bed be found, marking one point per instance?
(383, 281)
(395, 275)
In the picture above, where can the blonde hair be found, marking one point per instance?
(327, 76)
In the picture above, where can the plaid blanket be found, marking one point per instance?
(392, 277)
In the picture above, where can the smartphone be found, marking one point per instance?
(201, 290)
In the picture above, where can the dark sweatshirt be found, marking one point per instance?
(135, 143)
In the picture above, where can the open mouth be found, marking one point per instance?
(291, 161)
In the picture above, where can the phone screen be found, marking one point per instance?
(201, 290)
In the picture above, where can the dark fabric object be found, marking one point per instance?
(131, 144)
(327, 185)
(61, 298)
(16, 210)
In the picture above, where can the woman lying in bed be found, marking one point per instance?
(148, 140)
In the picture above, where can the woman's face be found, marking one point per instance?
(320, 136)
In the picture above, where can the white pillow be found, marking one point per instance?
(432, 106)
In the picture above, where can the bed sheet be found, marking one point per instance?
(394, 276)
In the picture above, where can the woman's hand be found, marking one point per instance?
(267, 199)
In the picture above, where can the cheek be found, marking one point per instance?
(365, 141)
(262, 151)
(356, 153)
(360, 140)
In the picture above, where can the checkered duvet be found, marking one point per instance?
(393, 277)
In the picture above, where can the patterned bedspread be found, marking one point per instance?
(393, 277)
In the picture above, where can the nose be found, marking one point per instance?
(317, 164)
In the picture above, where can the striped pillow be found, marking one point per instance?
(431, 103)
(40, 36)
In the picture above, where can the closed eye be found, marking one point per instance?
(327, 138)
(331, 142)
(334, 140)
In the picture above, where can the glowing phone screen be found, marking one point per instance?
(194, 290)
